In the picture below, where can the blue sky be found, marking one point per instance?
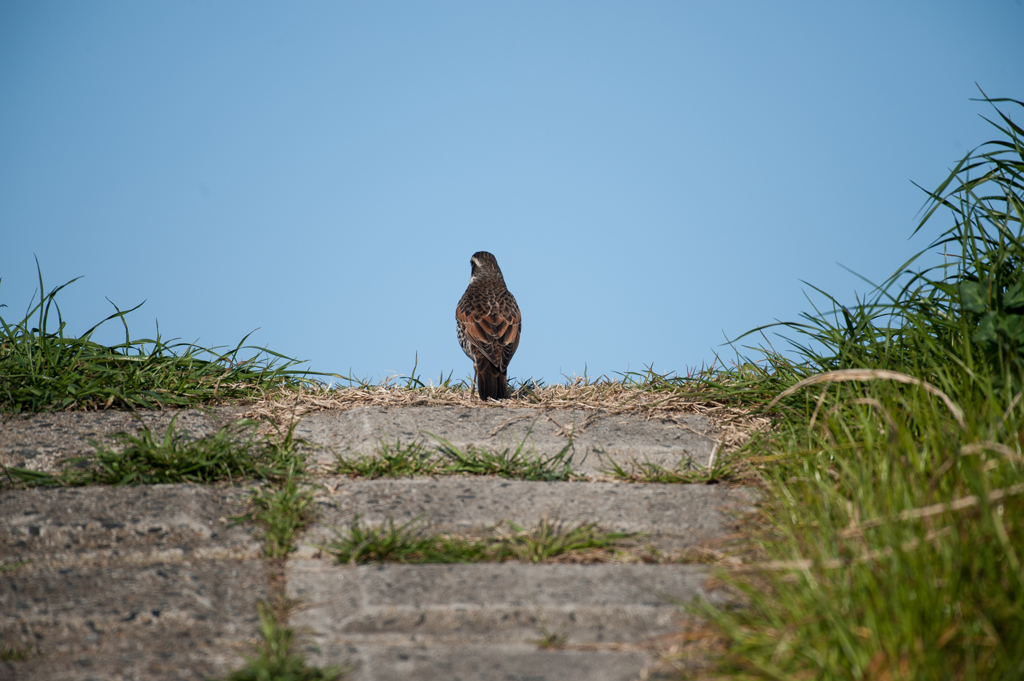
(653, 177)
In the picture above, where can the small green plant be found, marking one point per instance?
(405, 544)
(402, 544)
(43, 369)
(549, 640)
(688, 472)
(232, 454)
(392, 461)
(550, 540)
(228, 455)
(507, 463)
(12, 653)
(400, 460)
(276, 660)
(283, 512)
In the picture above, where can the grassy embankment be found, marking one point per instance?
(894, 533)
(44, 370)
(894, 525)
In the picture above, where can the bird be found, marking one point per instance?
(489, 324)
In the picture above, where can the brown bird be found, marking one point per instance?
(488, 322)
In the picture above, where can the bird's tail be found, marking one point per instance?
(490, 382)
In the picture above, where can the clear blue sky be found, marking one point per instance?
(652, 176)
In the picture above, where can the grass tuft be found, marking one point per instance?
(13, 653)
(232, 454)
(720, 470)
(44, 369)
(414, 459)
(896, 515)
(392, 461)
(283, 511)
(508, 463)
(276, 660)
(405, 544)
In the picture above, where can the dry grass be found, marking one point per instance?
(734, 424)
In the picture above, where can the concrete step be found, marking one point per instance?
(496, 662)
(43, 442)
(595, 436)
(672, 517)
(147, 582)
(154, 582)
(488, 621)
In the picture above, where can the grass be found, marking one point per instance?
(414, 459)
(392, 461)
(276, 660)
(44, 369)
(890, 443)
(895, 520)
(508, 463)
(232, 454)
(718, 470)
(283, 508)
(282, 512)
(405, 544)
(13, 653)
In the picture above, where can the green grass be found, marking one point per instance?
(392, 461)
(44, 369)
(446, 459)
(283, 512)
(276, 660)
(13, 653)
(720, 470)
(508, 463)
(895, 520)
(405, 544)
(232, 454)
(283, 508)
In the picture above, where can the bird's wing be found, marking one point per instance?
(494, 333)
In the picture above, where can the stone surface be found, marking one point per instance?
(43, 442)
(147, 582)
(154, 582)
(671, 516)
(184, 620)
(140, 524)
(490, 662)
(393, 620)
(595, 436)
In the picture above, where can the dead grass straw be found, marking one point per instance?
(734, 423)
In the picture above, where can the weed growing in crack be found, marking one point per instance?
(405, 544)
(508, 463)
(400, 460)
(276, 660)
(283, 507)
(232, 454)
(13, 653)
(392, 461)
(283, 512)
(688, 472)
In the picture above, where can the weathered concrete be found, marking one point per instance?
(43, 442)
(489, 662)
(147, 582)
(595, 436)
(152, 582)
(417, 621)
(671, 516)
